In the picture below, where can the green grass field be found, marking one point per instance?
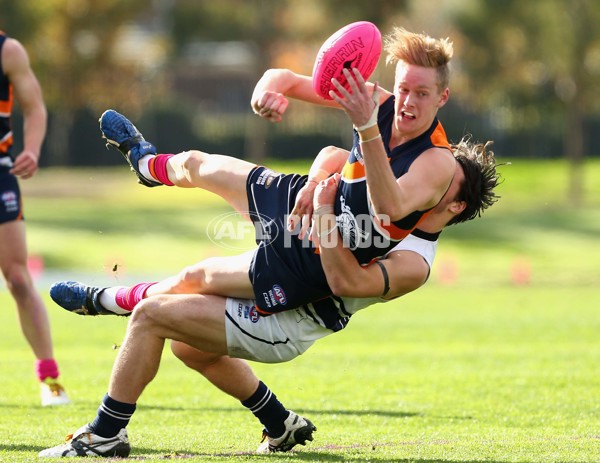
(495, 359)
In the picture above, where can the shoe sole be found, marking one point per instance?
(298, 436)
(125, 145)
(304, 433)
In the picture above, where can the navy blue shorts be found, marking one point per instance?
(285, 272)
(10, 197)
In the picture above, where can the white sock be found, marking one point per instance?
(143, 166)
(108, 300)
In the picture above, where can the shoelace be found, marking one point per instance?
(55, 389)
(69, 437)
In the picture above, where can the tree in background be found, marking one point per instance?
(82, 58)
(285, 33)
(529, 70)
(535, 66)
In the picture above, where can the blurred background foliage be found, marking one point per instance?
(525, 74)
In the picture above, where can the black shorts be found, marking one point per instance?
(285, 272)
(10, 197)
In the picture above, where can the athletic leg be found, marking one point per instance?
(32, 313)
(223, 175)
(199, 321)
(236, 378)
(196, 320)
(230, 375)
(219, 275)
(223, 276)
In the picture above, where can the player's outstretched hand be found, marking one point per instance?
(360, 104)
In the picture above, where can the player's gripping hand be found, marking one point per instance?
(269, 105)
(303, 209)
(323, 201)
(360, 104)
(324, 194)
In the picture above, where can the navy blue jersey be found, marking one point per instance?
(10, 194)
(286, 272)
(362, 232)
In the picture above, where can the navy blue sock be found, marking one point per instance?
(112, 416)
(269, 411)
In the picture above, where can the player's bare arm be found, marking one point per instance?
(403, 271)
(421, 188)
(271, 93)
(28, 94)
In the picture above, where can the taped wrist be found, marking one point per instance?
(325, 209)
(373, 117)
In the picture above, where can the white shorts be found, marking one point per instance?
(277, 338)
(284, 336)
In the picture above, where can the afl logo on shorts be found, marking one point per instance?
(279, 295)
(253, 315)
(248, 312)
(10, 200)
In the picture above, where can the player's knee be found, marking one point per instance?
(200, 278)
(191, 280)
(193, 162)
(193, 358)
(145, 314)
(17, 279)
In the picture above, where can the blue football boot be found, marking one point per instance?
(120, 132)
(78, 298)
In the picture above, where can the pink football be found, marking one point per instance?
(357, 45)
